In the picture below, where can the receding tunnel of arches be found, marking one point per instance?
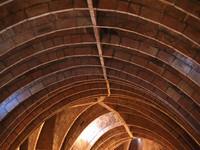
(99, 74)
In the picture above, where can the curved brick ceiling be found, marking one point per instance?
(139, 59)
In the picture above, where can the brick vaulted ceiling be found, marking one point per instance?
(64, 63)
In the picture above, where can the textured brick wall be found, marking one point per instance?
(143, 56)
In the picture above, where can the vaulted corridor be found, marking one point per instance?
(99, 74)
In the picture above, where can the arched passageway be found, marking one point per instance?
(129, 67)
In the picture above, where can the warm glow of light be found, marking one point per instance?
(90, 131)
(95, 130)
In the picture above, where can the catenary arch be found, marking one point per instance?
(47, 104)
(43, 52)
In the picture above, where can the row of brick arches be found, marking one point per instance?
(99, 74)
